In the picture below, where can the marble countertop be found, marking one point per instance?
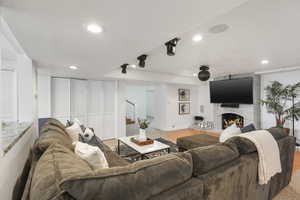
(11, 134)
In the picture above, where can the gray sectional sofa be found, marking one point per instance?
(225, 171)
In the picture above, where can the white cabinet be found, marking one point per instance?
(44, 96)
(60, 99)
(78, 97)
(8, 84)
(92, 102)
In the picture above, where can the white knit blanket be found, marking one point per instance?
(268, 154)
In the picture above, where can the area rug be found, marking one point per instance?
(292, 191)
(132, 156)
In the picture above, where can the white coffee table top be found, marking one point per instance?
(156, 146)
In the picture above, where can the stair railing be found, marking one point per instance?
(130, 110)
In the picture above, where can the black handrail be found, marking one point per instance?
(130, 102)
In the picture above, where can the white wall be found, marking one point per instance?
(288, 77)
(174, 121)
(160, 107)
(206, 109)
(163, 103)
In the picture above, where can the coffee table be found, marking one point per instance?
(143, 150)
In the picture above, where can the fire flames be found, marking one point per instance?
(238, 122)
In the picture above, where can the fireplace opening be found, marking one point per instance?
(230, 118)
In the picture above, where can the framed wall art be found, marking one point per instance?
(184, 95)
(184, 108)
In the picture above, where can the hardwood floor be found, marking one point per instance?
(173, 135)
(296, 162)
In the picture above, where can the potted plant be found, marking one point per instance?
(280, 102)
(144, 124)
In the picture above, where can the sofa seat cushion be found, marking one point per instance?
(194, 141)
(211, 157)
(55, 163)
(137, 181)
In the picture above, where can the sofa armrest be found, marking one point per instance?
(287, 152)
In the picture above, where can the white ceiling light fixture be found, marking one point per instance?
(94, 28)
(195, 74)
(133, 66)
(265, 62)
(197, 38)
(72, 67)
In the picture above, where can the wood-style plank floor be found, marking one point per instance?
(173, 135)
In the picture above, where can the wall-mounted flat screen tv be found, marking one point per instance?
(235, 91)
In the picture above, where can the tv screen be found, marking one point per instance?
(238, 91)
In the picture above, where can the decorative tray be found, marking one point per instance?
(142, 143)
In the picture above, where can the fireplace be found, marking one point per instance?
(231, 118)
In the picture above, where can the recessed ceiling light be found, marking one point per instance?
(195, 74)
(94, 28)
(133, 66)
(197, 38)
(73, 67)
(264, 62)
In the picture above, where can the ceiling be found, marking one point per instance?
(54, 36)
(258, 30)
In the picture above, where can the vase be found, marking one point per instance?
(142, 135)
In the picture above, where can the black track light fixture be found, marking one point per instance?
(171, 46)
(124, 68)
(204, 74)
(142, 60)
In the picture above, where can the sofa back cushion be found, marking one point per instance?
(278, 133)
(57, 160)
(51, 127)
(245, 146)
(211, 157)
(56, 123)
(137, 181)
(49, 137)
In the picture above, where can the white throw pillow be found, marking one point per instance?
(77, 121)
(229, 132)
(93, 155)
(74, 131)
(88, 134)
